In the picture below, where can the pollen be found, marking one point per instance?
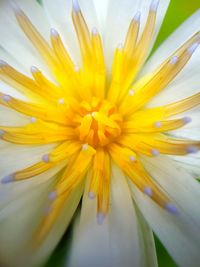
(93, 119)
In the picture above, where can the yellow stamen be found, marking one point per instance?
(99, 65)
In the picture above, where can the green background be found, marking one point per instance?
(178, 11)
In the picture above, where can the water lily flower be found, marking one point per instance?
(86, 120)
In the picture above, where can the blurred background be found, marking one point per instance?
(178, 11)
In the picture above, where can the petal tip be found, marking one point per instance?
(137, 16)
(45, 158)
(148, 191)
(100, 218)
(154, 5)
(171, 208)
(7, 179)
(75, 6)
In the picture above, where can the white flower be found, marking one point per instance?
(74, 123)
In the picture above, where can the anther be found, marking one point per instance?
(137, 16)
(2, 63)
(158, 124)
(132, 158)
(120, 47)
(187, 120)
(192, 149)
(94, 31)
(155, 152)
(6, 98)
(54, 33)
(1, 133)
(7, 179)
(75, 5)
(131, 92)
(91, 195)
(34, 69)
(76, 68)
(85, 147)
(33, 119)
(15, 7)
(100, 218)
(148, 191)
(45, 158)
(61, 101)
(93, 114)
(52, 195)
(171, 208)
(174, 60)
(192, 48)
(154, 5)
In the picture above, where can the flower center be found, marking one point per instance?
(97, 123)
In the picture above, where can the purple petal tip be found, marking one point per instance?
(52, 195)
(148, 191)
(171, 208)
(91, 195)
(100, 218)
(7, 179)
(192, 149)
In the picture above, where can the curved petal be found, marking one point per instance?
(172, 234)
(13, 39)
(5, 88)
(101, 8)
(179, 233)
(12, 191)
(172, 178)
(190, 163)
(9, 117)
(190, 130)
(59, 13)
(122, 238)
(120, 15)
(5, 56)
(187, 81)
(16, 157)
(19, 220)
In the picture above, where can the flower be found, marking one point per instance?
(103, 128)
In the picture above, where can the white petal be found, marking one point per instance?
(190, 130)
(120, 14)
(15, 157)
(190, 163)
(180, 234)
(172, 232)
(9, 90)
(5, 56)
(5, 88)
(14, 41)
(60, 226)
(19, 220)
(12, 191)
(9, 117)
(187, 82)
(101, 8)
(120, 240)
(16, 223)
(59, 13)
(177, 183)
